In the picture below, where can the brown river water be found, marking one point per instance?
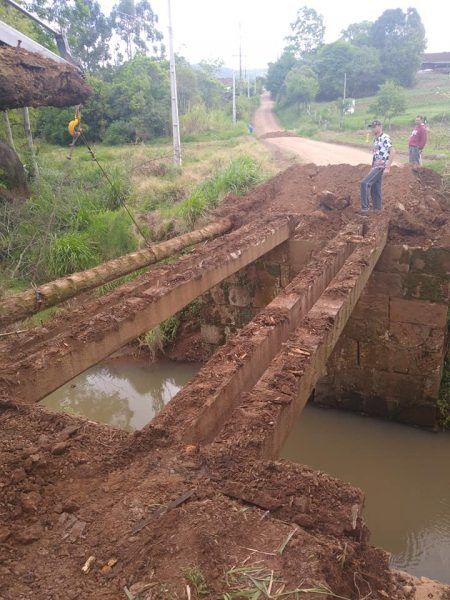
(405, 472)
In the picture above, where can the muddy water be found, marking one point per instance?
(405, 473)
(122, 393)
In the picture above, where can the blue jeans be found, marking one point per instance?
(371, 184)
(415, 155)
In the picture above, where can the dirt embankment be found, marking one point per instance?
(418, 206)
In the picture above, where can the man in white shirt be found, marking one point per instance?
(383, 155)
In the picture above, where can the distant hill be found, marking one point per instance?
(227, 73)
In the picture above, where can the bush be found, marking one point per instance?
(160, 336)
(52, 125)
(119, 132)
(111, 232)
(200, 120)
(240, 175)
(117, 189)
(69, 253)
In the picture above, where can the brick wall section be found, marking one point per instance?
(234, 302)
(389, 359)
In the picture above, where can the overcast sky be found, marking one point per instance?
(209, 29)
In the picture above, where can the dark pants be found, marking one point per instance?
(371, 184)
(415, 155)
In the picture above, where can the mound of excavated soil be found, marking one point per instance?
(416, 202)
(30, 79)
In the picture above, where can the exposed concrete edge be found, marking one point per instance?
(199, 410)
(261, 423)
(34, 379)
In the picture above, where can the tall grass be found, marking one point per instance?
(69, 223)
(238, 177)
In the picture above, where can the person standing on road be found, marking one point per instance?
(383, 155)
(417, 141)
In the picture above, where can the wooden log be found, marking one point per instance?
(30, 79)
(34, 300)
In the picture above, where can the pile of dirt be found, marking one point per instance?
(30, 79)
(166, 519)
(416, 202)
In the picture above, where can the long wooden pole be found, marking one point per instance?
(34, 300)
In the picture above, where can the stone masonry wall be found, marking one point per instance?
(388, 361)
(234, 302)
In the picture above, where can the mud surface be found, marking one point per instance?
(418, 208)
(29, 79)
(149, 507)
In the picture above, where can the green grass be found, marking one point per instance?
(238, 177)
(74, 219)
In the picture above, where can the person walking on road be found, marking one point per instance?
(383, 155)
(417, 141)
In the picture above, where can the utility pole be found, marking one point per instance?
(240, 53)
(234, 98)
(343, 99)
(174, 98)
(248, 88)
(345, 87)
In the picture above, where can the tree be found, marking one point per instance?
(389, 102)
(331, 65)
(400, 38)
(364, 72)
(278, 71)
(135, 24)
(212, 91)
(301, 86)
(307, 32)
(360, 65)
(358, 33)
(88, 29)
(140, 95)
(187, 86)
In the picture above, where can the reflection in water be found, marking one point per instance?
(122, 394)
(404, 473)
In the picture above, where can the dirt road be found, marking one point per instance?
(307, 150)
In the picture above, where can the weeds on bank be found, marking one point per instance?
(197, 580)
(238, 177)
(256, 583)
(70, 223)
(157, 339)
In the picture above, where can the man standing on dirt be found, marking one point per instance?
(417, 141)
(383, 155)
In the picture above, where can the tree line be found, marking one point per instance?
(367, 55)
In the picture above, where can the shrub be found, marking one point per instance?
(240, 175)
(117, 189)
(111, 232)
(119, 132)
(69, 253)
